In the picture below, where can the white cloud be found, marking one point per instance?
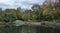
(19, 3)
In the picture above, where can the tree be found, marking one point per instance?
(37, 10)
(27, 16)
(10, 15)
(50, 9)
(19, 13)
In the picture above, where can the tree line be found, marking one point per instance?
(48, 11)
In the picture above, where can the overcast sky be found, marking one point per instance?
(19, 3)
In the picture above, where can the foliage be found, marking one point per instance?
(48, 11)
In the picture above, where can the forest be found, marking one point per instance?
(49, 11)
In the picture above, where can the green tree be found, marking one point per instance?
(8, 15)
(50, 9)
(37, 10)
(19, 13)
(27, 16)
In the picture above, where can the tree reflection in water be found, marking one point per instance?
(28, 29)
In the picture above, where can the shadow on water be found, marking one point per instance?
(27, 29)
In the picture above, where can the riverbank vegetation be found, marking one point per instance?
(48, 12)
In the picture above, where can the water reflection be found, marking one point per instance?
(26, 29)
